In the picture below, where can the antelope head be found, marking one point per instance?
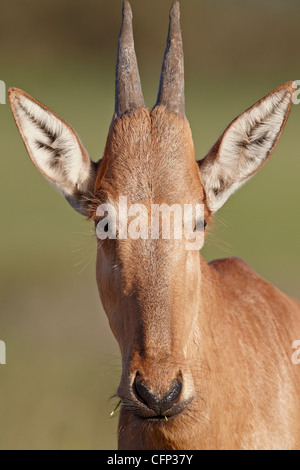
(155, 292)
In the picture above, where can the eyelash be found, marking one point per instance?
(204, 224)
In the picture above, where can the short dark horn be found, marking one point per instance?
(129, 94)
(171, 88)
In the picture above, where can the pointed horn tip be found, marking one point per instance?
(175, 10)
(127, 10)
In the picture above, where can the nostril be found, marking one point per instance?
(143, 393)
(175, 392)
(155, 402)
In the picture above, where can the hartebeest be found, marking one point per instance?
(206, 348)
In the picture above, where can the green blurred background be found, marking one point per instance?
(62, 361)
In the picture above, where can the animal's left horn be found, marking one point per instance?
(171, 88)
(129, 95)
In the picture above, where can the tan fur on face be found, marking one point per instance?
(140, 151)
(150, 144)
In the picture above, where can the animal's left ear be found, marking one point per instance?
(245, 146)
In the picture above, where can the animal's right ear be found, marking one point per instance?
(55, 149)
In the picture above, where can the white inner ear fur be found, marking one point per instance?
(53, 146)
(244, 147)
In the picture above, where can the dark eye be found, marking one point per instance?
(105, 228)
(99, 220)
(204, 224)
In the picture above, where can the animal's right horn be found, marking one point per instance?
(129, 95)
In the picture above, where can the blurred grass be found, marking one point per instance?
(63, 364)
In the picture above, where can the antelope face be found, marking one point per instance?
(150, 287)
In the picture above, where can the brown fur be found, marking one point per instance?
(227, 330)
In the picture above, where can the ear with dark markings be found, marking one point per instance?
(245, 146)
(55, 149)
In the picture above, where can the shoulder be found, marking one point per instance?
(240, 281)
(237, 276)
(232, 265)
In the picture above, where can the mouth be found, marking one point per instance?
(159, 419)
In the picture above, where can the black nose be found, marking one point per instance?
(157, 403)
